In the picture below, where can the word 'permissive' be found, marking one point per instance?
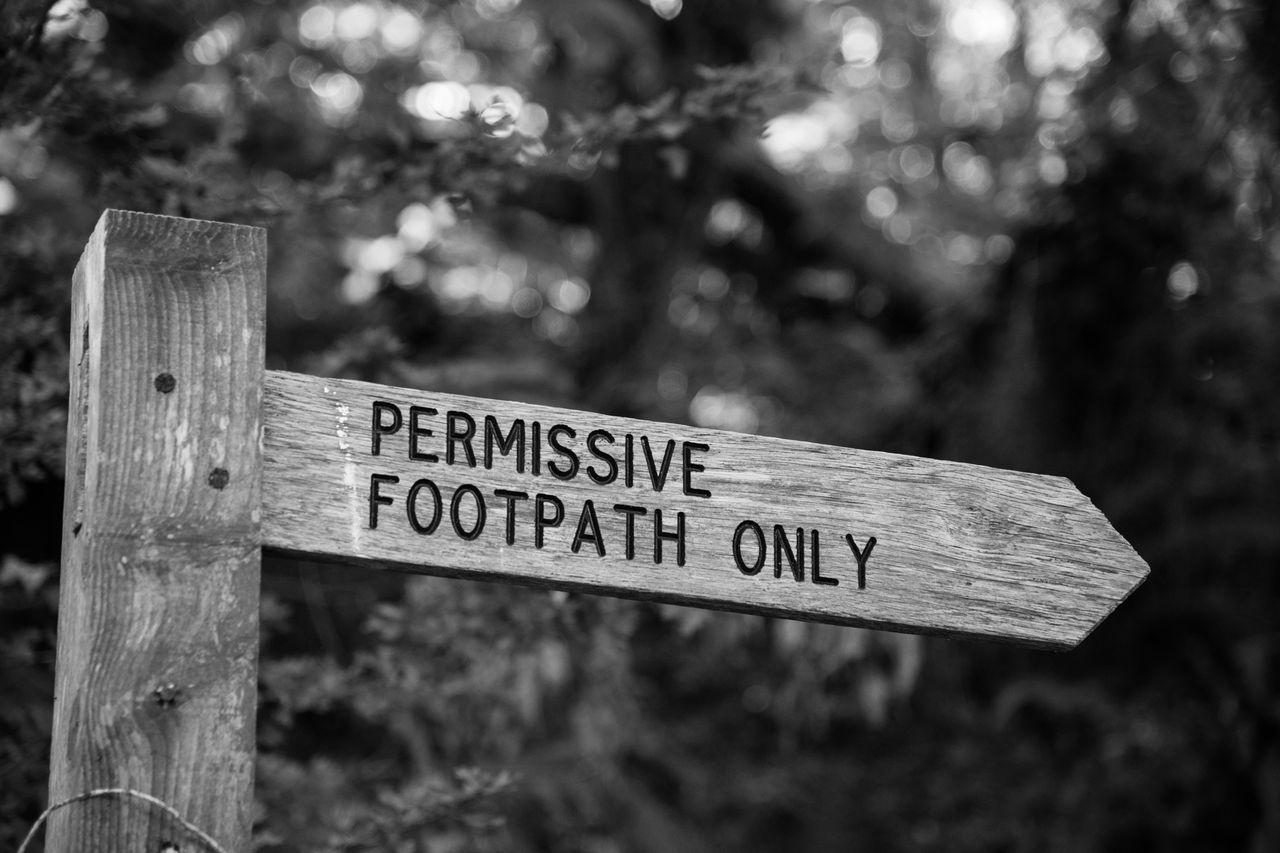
(462, 434)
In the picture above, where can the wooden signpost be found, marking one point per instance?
(186, 458)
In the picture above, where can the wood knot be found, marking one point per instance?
(219, 477)
(165, 383)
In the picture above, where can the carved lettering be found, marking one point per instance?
(594, 439)
(629, 539)
(657, 475)
(377, 499)
(588, 530)
(861, 556)
(511, 497)
(411, 507)
(690, 467)
(660, 536)
(493, 438)
(459, 429)
(782, 545)
(602, 457)
(758, 564)
(817, 562)
(569, 470)
(455, 512)
(541, 520)
(535, 455)
(379, 428)
(415, 413)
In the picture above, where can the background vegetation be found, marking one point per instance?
(1036, 234)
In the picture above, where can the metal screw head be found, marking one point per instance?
(166, 695)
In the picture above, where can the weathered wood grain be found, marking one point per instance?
(158, 620)
(959, 549)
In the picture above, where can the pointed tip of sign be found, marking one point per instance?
(1137, 572)
(1126, 569)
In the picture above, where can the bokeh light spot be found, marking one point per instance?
(316, 25)
(356, 21)
(717, 409)
(1183, 283)
(569, 295)
(440, 100)
(338, 94)
(989, 24)
(673, 383)
(526, 302)
(882, 202)
(860, 41)
(417, 226)
(8, 197)
(666, 9)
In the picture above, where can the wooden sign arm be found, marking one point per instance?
(447, 484)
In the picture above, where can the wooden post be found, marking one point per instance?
(158, 621)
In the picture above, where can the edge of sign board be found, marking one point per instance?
(764, 610)
(1031, 543)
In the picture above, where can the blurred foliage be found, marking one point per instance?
(1038, 234)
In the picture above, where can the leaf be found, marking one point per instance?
(30, 576)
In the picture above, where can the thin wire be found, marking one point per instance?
(107, 792)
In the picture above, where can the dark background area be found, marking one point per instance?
(1035, 234)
